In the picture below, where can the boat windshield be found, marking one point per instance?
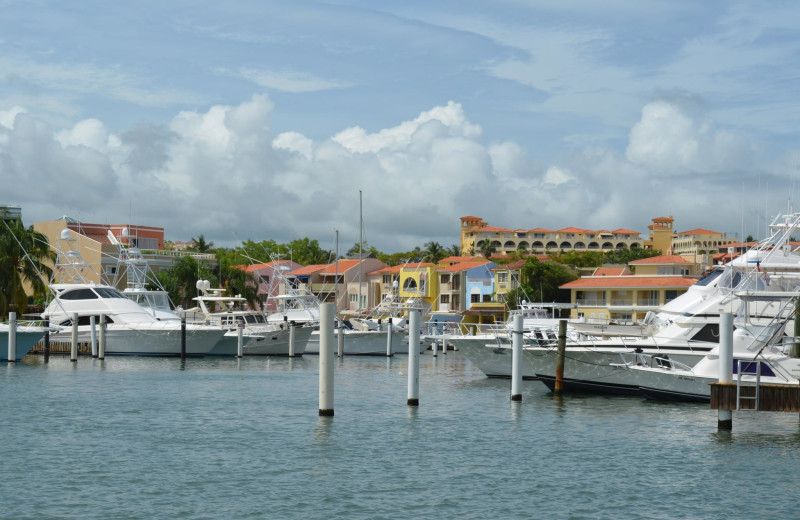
(107, 292)
(709, 278)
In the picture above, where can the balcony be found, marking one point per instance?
(591, 302)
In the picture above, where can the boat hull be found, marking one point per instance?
(273, 343)
(365, 343)
(491, 358)
(158, 339)
(26, 340)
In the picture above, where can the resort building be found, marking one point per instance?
(617, 294)
(464, 283)
(93, 250)
(414, 284)
(345, 282)
(269, 277)
(9, 212)
(698, 242)
(474, 232)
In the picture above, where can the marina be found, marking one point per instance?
(140, 437)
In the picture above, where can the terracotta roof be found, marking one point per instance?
(513, 266)
(573, 230)
(595, 282)
(461, 266)
(540, 230)
(470, 217)
(494, 229)
(623, 231)
(256, 267)
(398, 268)
(309, 269)
(454, 259)
(661, 259)
(663, 219)
(699, 231)
(344, 265)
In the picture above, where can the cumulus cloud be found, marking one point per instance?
(667, 138)
(223, 172)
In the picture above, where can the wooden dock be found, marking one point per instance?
(767, 398)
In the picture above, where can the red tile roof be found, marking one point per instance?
(661, 259)
(612, 271)
(494, 229)
(644, 282)
(623, 231)
(540, 230)
(461, 266)
(699, 231)
(309, 269)
(454, 259)
(344, 265)
(398, 268)
(573, 230)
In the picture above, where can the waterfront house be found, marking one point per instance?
(464, 283)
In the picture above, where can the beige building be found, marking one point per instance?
(539, 240)
(618, 295)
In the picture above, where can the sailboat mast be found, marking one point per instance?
(360, 250)
(336, 273)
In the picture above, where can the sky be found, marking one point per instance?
(288, 119)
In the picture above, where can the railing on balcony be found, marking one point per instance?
(621, 301)
(648, 302)
(592, 302)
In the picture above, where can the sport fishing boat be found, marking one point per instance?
(688, 326)
(27, 336)
(130, 328)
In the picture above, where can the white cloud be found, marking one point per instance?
(7, 116)
(289, 81)
(670, 140)
(294, 142)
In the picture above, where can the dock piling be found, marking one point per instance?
(239, 340)
(291, 339)
(73, 354)
(183, 338)
(47, 337)
(101, 345)
(725, 417)
(562, 347)
(516, 359)
(12, 337)
(326, 324)
(340, 340)
(93, 336)
(388, 338)
(413, 358)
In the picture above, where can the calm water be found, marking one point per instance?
(217, 438)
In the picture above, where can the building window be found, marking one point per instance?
(475, 298)
(410, 285)
(444, 298)
(502, 277)
(487, 297)
(445, 278)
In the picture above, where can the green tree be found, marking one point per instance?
(624, 256)
(486, 247)
(180, 280)
(25, 256)
(454, 250)
(540, 281)
(433, 252)
(201, 245)
(364, 249)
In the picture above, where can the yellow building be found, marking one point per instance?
(620, 296)
(660, 234)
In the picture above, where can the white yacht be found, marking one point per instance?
(130, 328)
(27, 336)
(688, 326)
(259, 337)
(759, 360)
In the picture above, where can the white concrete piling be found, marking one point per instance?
(101, 344)
(340, 339)
(93, 330)
(291, 339)
(326, 323)
(389, 339)
(413, 358)
(444, 346)
(239, 340)
(12, 337)
(516, 359)
(725, 417)
(73, 353)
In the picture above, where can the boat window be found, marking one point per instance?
(107, 292)
(250, 319)
(85, 320)
(78, 294)
(710, 277)
(709, 332)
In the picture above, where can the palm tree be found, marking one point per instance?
(433, 252)
(25, 258)
(486, 247)
(201, 245)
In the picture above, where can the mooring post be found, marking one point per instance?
(388, 338)
(73, 353)
(101, 347)
(12, 337)
(47, 336)
(326, 324)
(562, 347)
(291, 339)
(725, 417)
(183, 338)
(340, 339)
(444, 345)
(413, 358)
(516, 358)
(239, 340)
(795, 350)
(93, 336)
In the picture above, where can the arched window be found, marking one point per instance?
(565, 245)
(579, 245)
(552, 245)
(594, 245)
(410, 285)
(537, 245)
(608, 245)
(509, 245)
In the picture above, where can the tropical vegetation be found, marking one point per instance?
(25, 261)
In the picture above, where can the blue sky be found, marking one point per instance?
(259, 119)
